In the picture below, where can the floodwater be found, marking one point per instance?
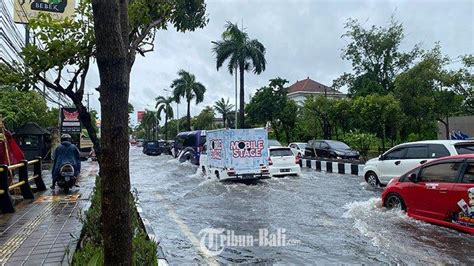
(316, 218)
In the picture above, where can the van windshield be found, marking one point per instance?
(467, 148)
(281, 152)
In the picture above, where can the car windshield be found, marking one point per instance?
(281, 152)
(467, 148)
(338, 145)
(153, 144)
(302, 146)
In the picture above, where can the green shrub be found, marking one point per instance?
(90, 250)
(361, 141)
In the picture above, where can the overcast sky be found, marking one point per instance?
(302, 38)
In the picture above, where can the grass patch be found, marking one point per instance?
(90, 249)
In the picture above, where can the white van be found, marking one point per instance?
(404, 157)
(235, 154)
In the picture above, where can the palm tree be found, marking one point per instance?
(224, 108)
(243, 54)
(164, 105)
(187, 87)
(150, 124)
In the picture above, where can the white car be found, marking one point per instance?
(283, 162)
(298, 147)
(404, 157)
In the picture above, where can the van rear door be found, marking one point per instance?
(247, 150)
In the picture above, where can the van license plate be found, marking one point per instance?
(247, 176)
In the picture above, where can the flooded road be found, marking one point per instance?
(315, 218)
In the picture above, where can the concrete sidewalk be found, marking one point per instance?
(46, 231)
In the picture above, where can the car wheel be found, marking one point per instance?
(393, 201)
(217, 174)
(372, 179)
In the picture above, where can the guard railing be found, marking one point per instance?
(24, 179)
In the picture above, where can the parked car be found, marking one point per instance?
(298, 147)
(188, 145)
(332, 149)
(282, 162)
(439, 192)
(403, 157)
(153, 147)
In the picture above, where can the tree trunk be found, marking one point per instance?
(223, 119)
(242, 97)
(287, 134)
(166, 127)
(85, 118)
(188, 116)
(446, 126)
(111, 32)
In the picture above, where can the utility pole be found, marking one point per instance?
(27, 41)
(88, 94)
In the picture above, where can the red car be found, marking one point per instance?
(439, 192)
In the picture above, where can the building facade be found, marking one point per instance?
(308, 87)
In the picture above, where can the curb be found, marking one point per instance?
(334, 167)
(152, 236)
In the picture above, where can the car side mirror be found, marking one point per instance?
(412, 178)
(381, 158)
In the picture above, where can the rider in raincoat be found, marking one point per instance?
(65, 153)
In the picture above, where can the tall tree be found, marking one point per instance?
(244, 54)
(375, 56)
(164, 105)
(187, 87)
(113, 32)
(205, 119)
(320, 108)
(378, 114)
(427, 91)
(150, 124)
(121, 31)
(223, 107)
(463, 81)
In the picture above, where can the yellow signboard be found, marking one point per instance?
(24, 10)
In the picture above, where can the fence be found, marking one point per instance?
(6, 203)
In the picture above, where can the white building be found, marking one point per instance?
(307, 87)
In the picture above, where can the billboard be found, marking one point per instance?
(244, 150)
(24, 10)
(70, 122)
(140, 115)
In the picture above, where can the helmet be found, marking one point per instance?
(66, 137)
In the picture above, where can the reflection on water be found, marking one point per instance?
(335, 218)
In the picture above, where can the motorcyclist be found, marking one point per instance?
(65, 153)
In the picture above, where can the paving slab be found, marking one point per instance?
(42, 231)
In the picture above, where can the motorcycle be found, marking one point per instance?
(66, 178)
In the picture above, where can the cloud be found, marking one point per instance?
(302, 38)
